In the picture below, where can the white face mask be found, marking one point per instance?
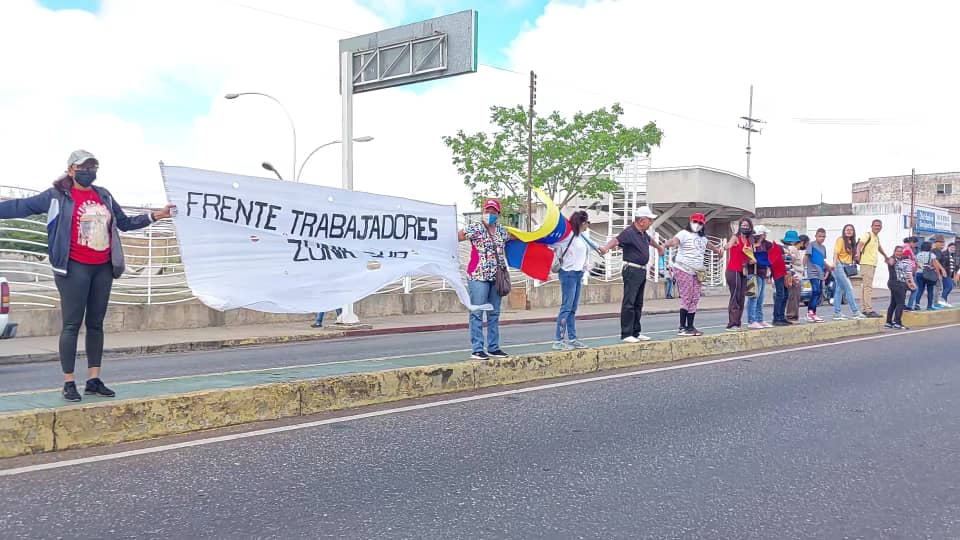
(695, 227)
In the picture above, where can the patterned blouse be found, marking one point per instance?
(903, 269)
(487, 253)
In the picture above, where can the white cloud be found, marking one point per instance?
(846, 60)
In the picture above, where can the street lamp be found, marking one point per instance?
(363, 139)
(293, 128)
(269, 166)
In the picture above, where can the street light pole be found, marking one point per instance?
(363, 139)
(293, 128)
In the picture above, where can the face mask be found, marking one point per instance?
(695, 227)
(746, 230)
(85, 178)
(489, 219)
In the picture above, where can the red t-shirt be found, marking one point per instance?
(736, 258)
(90, 229)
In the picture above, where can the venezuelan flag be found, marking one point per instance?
(532, 258)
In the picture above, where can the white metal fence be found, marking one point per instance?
(155, 273)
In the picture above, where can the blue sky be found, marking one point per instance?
(500, 22)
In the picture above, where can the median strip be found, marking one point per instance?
(51, 428)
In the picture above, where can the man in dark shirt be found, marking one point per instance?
(635, 243)
(938, 251)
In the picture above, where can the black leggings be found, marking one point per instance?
(898, 298)
(84, 290)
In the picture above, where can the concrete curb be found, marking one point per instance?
(81, 426)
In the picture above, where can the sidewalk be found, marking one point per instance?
(42, 349)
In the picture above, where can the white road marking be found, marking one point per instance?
(442, 403)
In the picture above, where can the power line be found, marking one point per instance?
(491, 66)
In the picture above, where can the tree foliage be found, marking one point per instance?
(571, 157)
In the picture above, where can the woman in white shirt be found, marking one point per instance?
(687, 268)
(573, 254)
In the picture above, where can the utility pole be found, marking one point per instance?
(530, 113)
(913, 200)
(748, 125)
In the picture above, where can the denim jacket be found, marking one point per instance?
(58, 205)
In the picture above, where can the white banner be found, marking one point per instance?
(284, 247)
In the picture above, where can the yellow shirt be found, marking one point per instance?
(870, 250)
(840, 250)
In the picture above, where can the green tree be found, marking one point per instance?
(14, 239)
(571, 157)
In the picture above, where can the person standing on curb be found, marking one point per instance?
(574, 262)
(636, 244)
(939, 249)
(780, 275)
(929, 271)
(736, 272)
(951, 264)
(867, 249)
(815, 260)
(844, 269)
(760, 271)
(692, 245)
(83, 244)
(899, 282)
(793, 248)
(488, 239)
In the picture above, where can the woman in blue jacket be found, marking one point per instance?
(83, 244)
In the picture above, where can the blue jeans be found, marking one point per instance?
(816, 294)
(570, 283)
(842, 287)
(755, 304)
(319, 321)
(484, 292)
(780, 301)
(669, 287)
(914, 301)
(948, 286)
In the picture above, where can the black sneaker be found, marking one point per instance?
(692, 331)
(891, 326)
(499, 354)
(781, 323)
(899, 326)
(70, 391)
(874, 315)
(95, 387)
(479, 356)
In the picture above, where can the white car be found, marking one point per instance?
(7, 328)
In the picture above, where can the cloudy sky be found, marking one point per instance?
(849, 89)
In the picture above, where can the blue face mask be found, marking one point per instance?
(491, 219)
(85, 178)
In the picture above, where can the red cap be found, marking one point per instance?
(699, 218)
(493, 203)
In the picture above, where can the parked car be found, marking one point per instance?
(7, 328)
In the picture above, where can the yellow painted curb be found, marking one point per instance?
(921, 319)
(113, 422)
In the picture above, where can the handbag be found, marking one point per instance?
(558, 262)
(752, 287)
(702, 276)
(851, 270)
(930, 274)
(502, 282)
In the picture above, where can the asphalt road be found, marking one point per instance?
(47, 375)
(858, 440)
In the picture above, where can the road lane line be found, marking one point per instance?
(442, 403)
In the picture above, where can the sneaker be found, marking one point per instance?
(766, 324)
(630, 339)
(316, 325)
(781, 323)
(693, 332)
(874, 315)
(479, 356)
(756, 326)
(946, 304)
(562, 346)
(70, 392)
(859, 316)
(899, 326)
(95, 387)
(891, 326)
(817, 318)
(733, 329)
(641, 337)
(811, 316)
(577, 344)
(840, 317)
(942, 304)
(681, 331)
(499, 354)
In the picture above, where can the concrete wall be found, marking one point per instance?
(898, 188)
(700, 185)
(136, 318)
